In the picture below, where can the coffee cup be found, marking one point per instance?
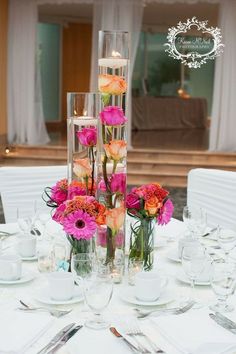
(10, 267)
(149, 286)
(27, 246)
(61, 286)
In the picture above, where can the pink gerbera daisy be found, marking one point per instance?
(80, 225)
(166, 212)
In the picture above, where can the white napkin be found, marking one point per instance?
(195, 332)
(19, 330)
(173, 229)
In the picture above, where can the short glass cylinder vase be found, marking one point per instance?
(142, 242)
(82, 112)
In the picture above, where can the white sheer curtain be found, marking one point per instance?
(117, 15)
(25, 115)
(223, 125)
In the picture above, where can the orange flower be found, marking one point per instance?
(82, 167)
(152, 205)
(116, 149)
(111, 84)
(101, 217)
(115, 218)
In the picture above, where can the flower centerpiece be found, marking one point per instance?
(78, 213)
(147, 205)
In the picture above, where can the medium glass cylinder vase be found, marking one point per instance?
(82, 112)
(112, 147)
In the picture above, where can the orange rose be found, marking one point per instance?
(116, 149)
(111, 84)
(152, 205)
(82, 168)
(115, 218)
(101, 217)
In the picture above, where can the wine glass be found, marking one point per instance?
(42, 214)
(223, 284)
(98, 289)
(195, 220)
(24, 221)
(227, 240)
(82, 265)
(193, 261)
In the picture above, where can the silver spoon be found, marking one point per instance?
(55, 313)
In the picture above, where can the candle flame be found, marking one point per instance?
(75, 112)
(115, 54)
(85, 113)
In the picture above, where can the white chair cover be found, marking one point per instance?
(214, 190)
(21, 187)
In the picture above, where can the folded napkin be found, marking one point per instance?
(19, 330)
(195, 332)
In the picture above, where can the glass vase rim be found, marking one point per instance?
(114, 31)
(84, 93)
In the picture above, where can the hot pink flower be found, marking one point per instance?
(112, 115)
(102, 185)
(132, 201)
(75, 190)
(80, 225)
(166, 212)
(118, 183)
(59, 191)
(58, 216)
(87, 136)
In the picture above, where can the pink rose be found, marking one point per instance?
(58, 216)
(118, 183)
(102, 185)
(112, 115)
(87, 136)
(132, 201)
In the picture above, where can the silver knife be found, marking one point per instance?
(59, 336)
(222, 323)
(65, 339)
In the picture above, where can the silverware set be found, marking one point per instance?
(224, 322)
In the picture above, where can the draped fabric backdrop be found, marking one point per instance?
(117, 15)
(25, 113)
(223, 125)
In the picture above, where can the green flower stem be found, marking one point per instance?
(86, 184)
(93, 163)
(110, 246)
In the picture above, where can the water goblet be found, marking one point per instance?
(223, 284)
(82, 265)
(98, 289)
(42, 214)
(193, 261)
(195, 220)
(227, 240)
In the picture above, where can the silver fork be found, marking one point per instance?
(55, 313)
(135, 331)
(171, 311)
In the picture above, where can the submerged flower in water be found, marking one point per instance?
(87, 136)
(166, 212)
(118, 183)
(115, 218)
(112, 84)
(112, 115)
(82, 168)
(80, 225)
(116, 149)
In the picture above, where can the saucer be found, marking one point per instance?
(30, 259)
(25, 278)
(173, 255)
(181, 276)
(127, 294)
(44, 297)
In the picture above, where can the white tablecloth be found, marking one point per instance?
(88, 341)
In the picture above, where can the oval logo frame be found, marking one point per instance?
(193, 59)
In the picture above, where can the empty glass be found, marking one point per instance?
(195, 220)
(98, 289)
(223, 284)
(226, 239)
(82, 265)
(193, 261)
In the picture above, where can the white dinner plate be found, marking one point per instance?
(25, 278)
(30, 259)
(181, 276)
(44, 297)
(173, 255)
(127, 294)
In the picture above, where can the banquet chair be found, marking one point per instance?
(22, 187)
(215, 191)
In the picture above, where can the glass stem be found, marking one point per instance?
(193, 289)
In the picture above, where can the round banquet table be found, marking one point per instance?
(88, 341)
